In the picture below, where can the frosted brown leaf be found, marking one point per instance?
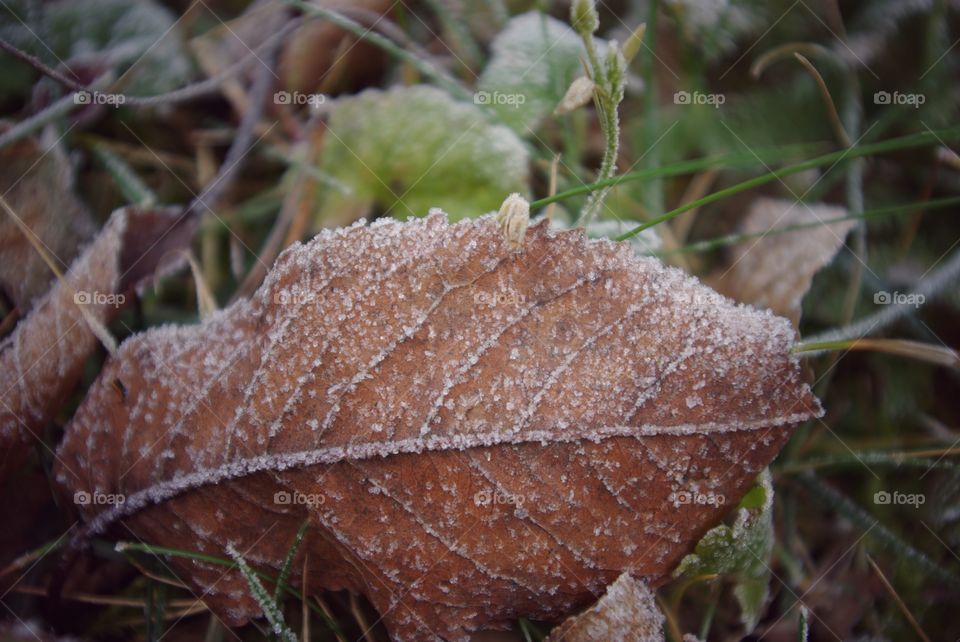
(37, 180)
(627, 612)
(42, 360)
(476, 431)
(776, 270)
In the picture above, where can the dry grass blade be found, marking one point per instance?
(839, 131)
(103, 600)
(896, 598)
(937, 355)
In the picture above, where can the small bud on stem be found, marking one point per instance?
(514, 217)
(578, 95)
(584, 17)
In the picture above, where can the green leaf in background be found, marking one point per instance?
(111, 33)
(534, 60)
(407, 149)
(740, 551)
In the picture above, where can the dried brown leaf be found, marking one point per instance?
(37, 183)
(42, 360)
(775, 271)
(310, 60)
(627, 612)
(477, 431)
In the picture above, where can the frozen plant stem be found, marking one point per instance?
(270, 609)
(608, 78)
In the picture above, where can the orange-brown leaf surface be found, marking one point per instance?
(476, 431)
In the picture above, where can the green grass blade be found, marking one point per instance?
(219, 561)
(860, 518)
(735, 160)
(288, 561)
(888, 459)
(880, 212)
(270, 609)
(803, 630)
(894, 144)
(133, 189)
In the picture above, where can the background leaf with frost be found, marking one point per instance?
(37, 181)
(535, 57)
(43, 358)
(627, 612)
(110, 33)
(407, 149)
(741, 551)
(775, 271)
